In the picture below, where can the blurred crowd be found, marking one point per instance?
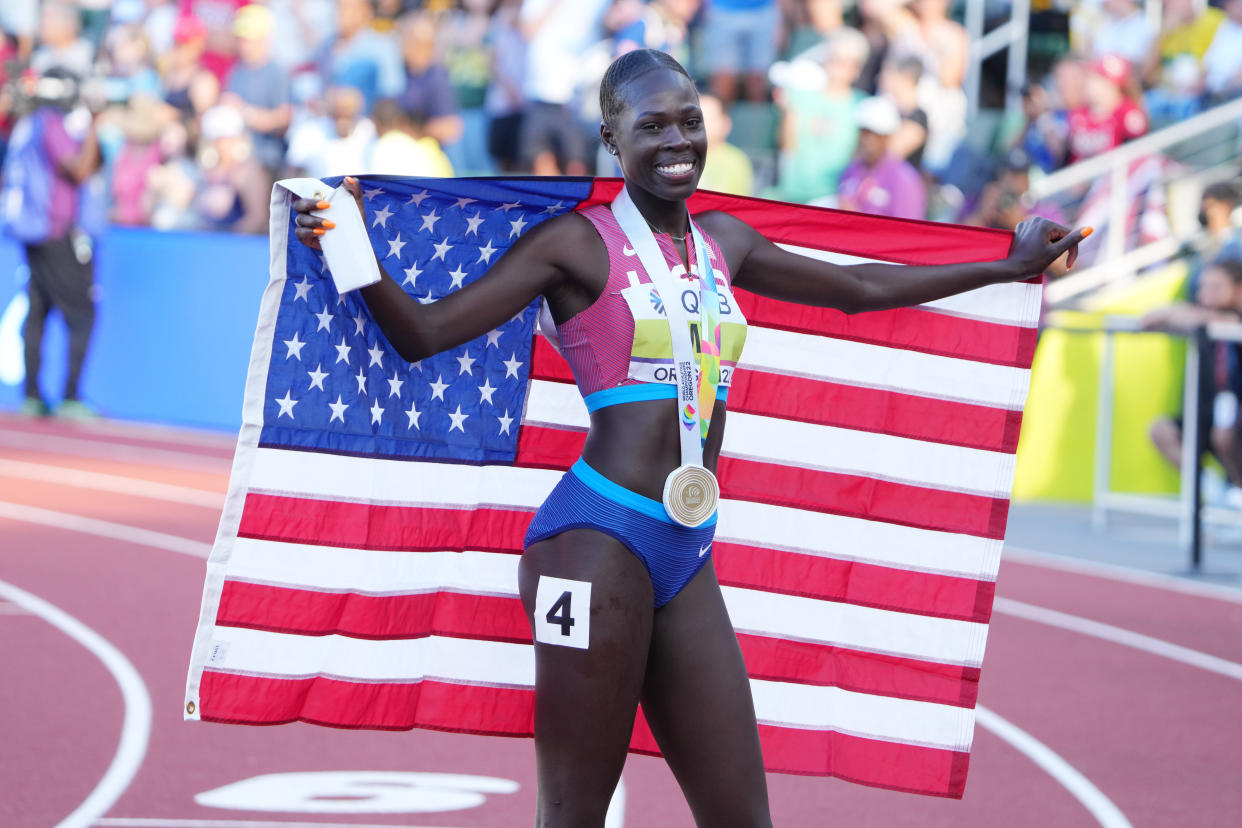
(199, 105)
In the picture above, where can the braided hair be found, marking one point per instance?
(626, 68)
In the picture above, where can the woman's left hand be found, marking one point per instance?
(1038, 242)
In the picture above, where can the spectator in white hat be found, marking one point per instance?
(877, 181)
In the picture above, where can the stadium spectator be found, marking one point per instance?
(505, 99)
(428, 90)
(1221, 236)
(181, 66)
(1045, 129)
(130, 63)
(1005, 201)
(219, 50)
(873, 22)
(466, 55)
(1222, 63)
(1218, 297)
(360, 56)
(235, 189)
(54, 151)
(899, 82)
(813, 22)
(662, 25)
(1173, 70)
(1122, 29)
(402, 146)
(173, 183)
(336, 142)
(1110, 115)
(877, 181)
(305, 26)
(819, 129)
(258, 87)
(20, 20)
(140, 124)
(558, 34)
(739, 41)
(726, 169)
(60, 42)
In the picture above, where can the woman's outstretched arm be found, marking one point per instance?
(764, 268)
(547, 260)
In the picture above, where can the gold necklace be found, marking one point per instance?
(681, 239)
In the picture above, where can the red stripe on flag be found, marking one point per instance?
(864, 497)
(544, 447)
(804, 662)
(438, 705)
(379, 617)
(891, 765)
(368, 526)
(293, 611)
(875, 410)
(853, 582)
(547, 364)
(911, 329)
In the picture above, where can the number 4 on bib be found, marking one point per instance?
(563, 612)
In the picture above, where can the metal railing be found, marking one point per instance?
(1187, 507)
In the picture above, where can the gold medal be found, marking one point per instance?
(690, 495)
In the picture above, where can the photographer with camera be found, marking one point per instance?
(52, 154)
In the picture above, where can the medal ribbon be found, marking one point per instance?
(695, 403)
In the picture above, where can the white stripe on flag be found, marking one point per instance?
(1009, 303)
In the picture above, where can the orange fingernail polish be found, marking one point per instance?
(319, 231)
(328, 225)
(323, 205)
(1087, 231)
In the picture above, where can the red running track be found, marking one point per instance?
(1159, 740)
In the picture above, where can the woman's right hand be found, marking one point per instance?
(311, 227)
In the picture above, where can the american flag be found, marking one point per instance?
(364, 574)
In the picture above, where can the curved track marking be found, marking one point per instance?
(1116, 572)
(1118, 635)
(83, 447)
(117, 484)
(1079, 786)
(104, 528)
(136, 728)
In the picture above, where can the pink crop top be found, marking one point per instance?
(623, 339)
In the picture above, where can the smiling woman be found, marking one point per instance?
(617, 578)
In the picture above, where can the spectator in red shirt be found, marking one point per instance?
(1111, 115)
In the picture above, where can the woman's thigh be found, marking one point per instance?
(697, 700)
(589, 601)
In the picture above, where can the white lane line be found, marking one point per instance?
(145, 822)
(1079, 786)
(136, 727)
(104, 529)
(1119, 635)
(64, 476)
(1116, 572)
(80, 447)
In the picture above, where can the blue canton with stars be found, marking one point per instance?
(334, 383)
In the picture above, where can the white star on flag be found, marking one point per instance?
(301, 289)
(362, 381)
(394, 246)
(377, 355)
(442, 249)
(295, 347)
(411, 275)
(413, 414)
(394, 386)
(517, 226)
(474, 222)
(509, 205)
(429, 221)
(417, 198)
(493, 338)
(463, 201)
(377, 412)
(466, 362)
(286, 405)
(512, 364)
(371, 193)
(316, 377)
(486, 391)
(552, 208)
(360, 325)
(458, 276)
(486, 253)
(342, 352)
(338, 409)
(458, 418)
(325, 320)
(381, 217)
(505, 422)
(437, 388)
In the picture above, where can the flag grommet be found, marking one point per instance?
(189, 708)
